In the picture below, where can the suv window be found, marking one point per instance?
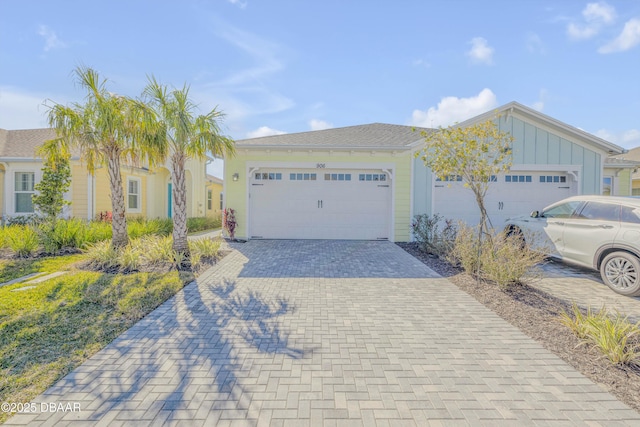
(602, 211)
(630, 214)
(564, 210)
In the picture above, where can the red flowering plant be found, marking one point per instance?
(105, 216)
(229, 222)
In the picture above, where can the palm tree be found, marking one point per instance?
(184, 135)
(106, 129)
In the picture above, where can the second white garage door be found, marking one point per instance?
(518, 193)
(319, 204)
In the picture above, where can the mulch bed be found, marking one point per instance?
(536, 313)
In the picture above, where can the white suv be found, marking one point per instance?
(598, 232)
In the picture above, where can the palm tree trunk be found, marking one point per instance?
(119, 237)
(180, 243)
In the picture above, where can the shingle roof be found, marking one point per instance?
(214, 179)
(374, 135)
(23, 143)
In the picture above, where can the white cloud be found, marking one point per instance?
(595, 16)
(316, 124)
(629, 38)
(451, 110)
(542, 98)
(21, 110)
(51, 40)
(627, 139)
(246, 91)
(599, 12)
(240, 4)
(480, 52)
(264, 131)
(534, 44)
(421, 63)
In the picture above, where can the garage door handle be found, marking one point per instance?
(606, 226)
(559, 223)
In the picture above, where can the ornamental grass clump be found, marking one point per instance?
(70, 234)
(22, 240)
(499, 258)
(616, 338)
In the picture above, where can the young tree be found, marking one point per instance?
(476, 153)
(106, 129)
(56, 179)
(183, 135)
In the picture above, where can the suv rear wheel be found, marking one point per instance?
(621, 272)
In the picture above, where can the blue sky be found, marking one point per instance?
(290, 66)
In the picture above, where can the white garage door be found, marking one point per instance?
(319, 204)
(518, 193)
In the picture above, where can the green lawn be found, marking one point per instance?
(47, 331)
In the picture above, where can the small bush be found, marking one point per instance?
(24, 220)
(426, 231)
(196, 224)
(616, 338)
(63, 234)
(144, 227)
(97, 231)
(102, 255)
(500, 258)
(159, 250)
(21, 239)
(203, 249)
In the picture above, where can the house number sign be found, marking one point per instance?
(320, 165)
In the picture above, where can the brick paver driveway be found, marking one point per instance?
(326, 333)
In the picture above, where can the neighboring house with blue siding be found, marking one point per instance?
(364, 182)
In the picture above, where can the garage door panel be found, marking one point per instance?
(334, 205)
(517, 193)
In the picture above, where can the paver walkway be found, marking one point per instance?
(286, 333)
(585, 288)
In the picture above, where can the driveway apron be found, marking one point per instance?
(325, 333)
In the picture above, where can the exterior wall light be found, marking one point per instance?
(236, 176)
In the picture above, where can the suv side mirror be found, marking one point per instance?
(535, 214)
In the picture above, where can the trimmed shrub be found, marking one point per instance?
(138, 227)
(430, 239)
(196, 224)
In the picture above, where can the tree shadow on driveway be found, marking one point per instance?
(188, 359)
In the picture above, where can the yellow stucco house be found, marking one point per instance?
(214, 196)
(147, 191)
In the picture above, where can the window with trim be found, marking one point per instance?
(553, 179)
(337, 177)
(23, 191)
(517, 178)
(273, 176)
(134, 202)
(372, 177)
(607, 186)
(221, 201)
(209, 199)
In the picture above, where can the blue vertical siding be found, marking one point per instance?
(518, 141)
(553, 148)
(422, 188)
(530, 144)
(542, 147)
(565, 152)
